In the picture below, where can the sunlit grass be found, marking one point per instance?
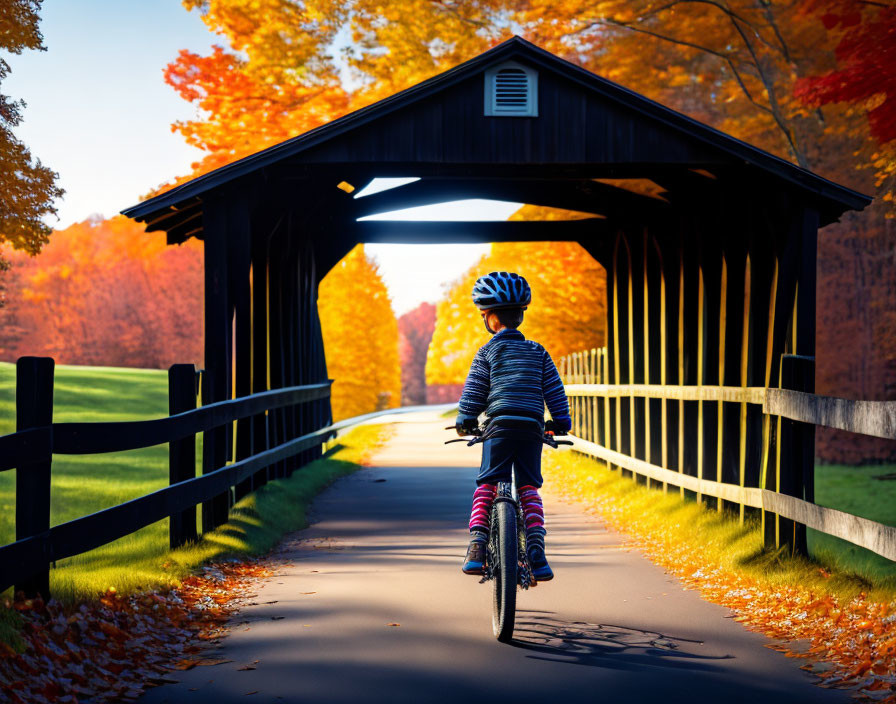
(707, 537)
(84, 484)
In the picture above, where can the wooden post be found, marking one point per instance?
(796, 468)
(701, 370)
(34, 409)
(720, 408)
(216, 378)
(605, 375)
(260, 353)
(667, 245)
(689, 340)
(595, 379)
(214, 453)
(631, 310)
(746, 340)
(181, 453)
(240, 285)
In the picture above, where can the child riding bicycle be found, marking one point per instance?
(511, 380)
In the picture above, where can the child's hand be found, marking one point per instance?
(466, 426)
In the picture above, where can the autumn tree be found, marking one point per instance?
(415, 329)
(567, 314)
(103, 292)
(360, 337)
(27, 188)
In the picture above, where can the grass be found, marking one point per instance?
(704, 536)
(855, 490)
(85, 484)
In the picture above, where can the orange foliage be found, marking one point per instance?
(360, 337)
(567, 314)
(103, 292)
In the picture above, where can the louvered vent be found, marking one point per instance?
(511, 90)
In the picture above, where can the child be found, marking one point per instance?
(511, 379)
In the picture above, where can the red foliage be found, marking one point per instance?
(867, 55)
(415, 329)
(103, 292)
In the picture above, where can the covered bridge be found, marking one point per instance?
(709, 243)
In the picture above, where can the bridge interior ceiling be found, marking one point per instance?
(621, 195)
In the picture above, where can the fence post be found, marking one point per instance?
(182, 453)
(214, 456)
(34, 409)
(796, 470)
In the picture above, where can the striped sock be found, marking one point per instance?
(533, 510)
(483, 498)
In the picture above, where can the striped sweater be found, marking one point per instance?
(511, 375)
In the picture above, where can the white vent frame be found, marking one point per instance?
(492, 106)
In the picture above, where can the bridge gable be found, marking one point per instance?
(575, 124)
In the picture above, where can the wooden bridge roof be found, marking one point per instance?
(588, 128)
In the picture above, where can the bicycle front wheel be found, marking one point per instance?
(505, 581)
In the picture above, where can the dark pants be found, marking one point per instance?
(513, 449)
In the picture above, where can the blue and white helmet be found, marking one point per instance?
(501, 289)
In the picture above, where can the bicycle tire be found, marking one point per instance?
(505, 580)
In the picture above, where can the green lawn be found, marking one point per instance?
(85, 484)
(855, 490)
(82, 484)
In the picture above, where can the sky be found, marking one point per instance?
(99, 113)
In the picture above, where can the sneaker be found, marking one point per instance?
(475, 562)
(541, 570)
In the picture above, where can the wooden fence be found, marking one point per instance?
(663, 433)
(288, 426)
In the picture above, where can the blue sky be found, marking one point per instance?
(99, 113)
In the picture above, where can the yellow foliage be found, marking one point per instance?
(567, 313)
(360, 337)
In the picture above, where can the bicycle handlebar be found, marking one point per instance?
(478, 435)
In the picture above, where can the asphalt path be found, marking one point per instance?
(371, 606)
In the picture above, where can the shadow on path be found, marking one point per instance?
(605, 645)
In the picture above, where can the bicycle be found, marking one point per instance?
(507, 531)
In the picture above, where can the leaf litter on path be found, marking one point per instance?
(112, 649)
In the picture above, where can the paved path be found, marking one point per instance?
(386, 548)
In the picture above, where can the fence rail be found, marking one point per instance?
(613, 422)
(863, 532)
(292, 423)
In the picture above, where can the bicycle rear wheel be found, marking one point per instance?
(505, 581)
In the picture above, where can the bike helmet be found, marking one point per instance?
(501, 289)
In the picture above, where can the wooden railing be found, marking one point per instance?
(294, 422)
(642, 429)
